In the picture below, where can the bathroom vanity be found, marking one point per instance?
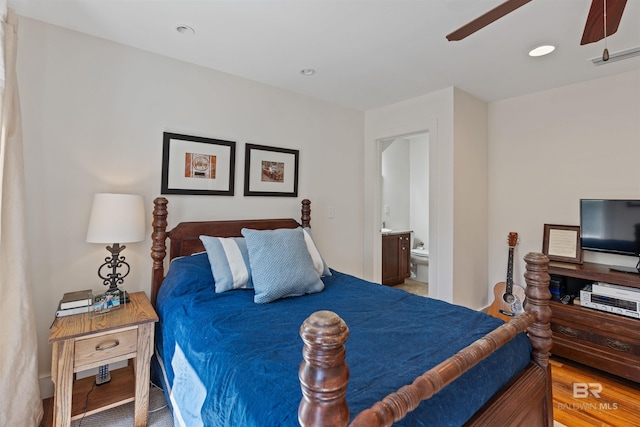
(396, 257)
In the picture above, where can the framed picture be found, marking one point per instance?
(270, 171)
(107, 302)
(562, 243)
(197, 165)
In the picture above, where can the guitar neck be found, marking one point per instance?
(509, 287)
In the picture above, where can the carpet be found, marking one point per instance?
(159, 414)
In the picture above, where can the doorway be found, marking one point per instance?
(404, 197)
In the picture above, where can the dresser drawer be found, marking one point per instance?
(608, 342)
(571, 331)
(616, 345)
(105, 348)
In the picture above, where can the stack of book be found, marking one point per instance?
(75, 303)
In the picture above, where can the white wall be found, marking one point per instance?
(405, 185)
(396, 185)
(548, 150)
(93, 117)
(419, 192)
(455, 122)
(470, 200)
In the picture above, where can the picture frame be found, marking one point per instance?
(562, 243)
(198, 166)
(270, 171)
(106, 302)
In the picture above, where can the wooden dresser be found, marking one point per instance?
(606, 341)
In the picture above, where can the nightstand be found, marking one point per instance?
(81, 342)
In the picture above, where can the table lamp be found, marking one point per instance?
(116, 219)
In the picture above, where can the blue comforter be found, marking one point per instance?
(226, 361)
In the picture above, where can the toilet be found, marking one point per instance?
(420, 264)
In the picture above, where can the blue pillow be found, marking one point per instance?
(318, 261)
(229, 261)
(280, 264)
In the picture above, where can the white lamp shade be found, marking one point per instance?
(116, 218)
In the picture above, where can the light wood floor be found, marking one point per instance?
(415, 287)
(618, 404)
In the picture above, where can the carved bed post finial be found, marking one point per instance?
(323, 373)
(158, 246)
(537, 303)
(305, 219)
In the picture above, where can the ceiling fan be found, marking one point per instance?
(599, 20)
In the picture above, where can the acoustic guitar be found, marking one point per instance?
(509, 299)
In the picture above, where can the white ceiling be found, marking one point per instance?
(367, 53)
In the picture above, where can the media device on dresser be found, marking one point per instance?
(611, 226)
(616, 299)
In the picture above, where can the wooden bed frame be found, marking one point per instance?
(525, 401)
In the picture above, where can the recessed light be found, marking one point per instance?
(185, 30)
(542, 50)
(307, 71)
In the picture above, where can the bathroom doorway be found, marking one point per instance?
(405, 201)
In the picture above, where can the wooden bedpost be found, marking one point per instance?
(538, 297)
(537, 303)
(159, 245)
(323, 373)
(305, 218)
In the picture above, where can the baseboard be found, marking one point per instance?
(46, 386)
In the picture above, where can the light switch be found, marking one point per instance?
(331, 212)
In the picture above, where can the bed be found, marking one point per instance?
(346, 352)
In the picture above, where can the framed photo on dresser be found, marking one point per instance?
(562, 243)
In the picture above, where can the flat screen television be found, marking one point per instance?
(611, 226)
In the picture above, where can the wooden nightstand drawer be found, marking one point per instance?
(105, 348)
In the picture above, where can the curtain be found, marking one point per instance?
(20, 403)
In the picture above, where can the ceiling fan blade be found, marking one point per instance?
(486, 19)
(594, 28)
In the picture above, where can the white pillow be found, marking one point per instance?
(229, 261)
(318, 262)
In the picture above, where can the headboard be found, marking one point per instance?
(185, 237)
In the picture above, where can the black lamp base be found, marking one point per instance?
(109, 274)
